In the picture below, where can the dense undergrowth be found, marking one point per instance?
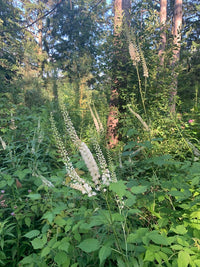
(146, 214)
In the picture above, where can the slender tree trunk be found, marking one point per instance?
(40, 32)
(176, 52)
(163, 19)
(121, 8)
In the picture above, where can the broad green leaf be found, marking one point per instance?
(120, 262)
(137, 236)
(180, 229)
(130, 201)
(62, 258)
(116, 217)
(139, 189)
(3, 184)
(104, 253)
(34, 196)
(89, 245)
(49, 216)
(60, 221)
(119, 188)
(157, 238)
(32, 234)
(27, 221)
(177, 247)
(64, 245)
(183, 258)
(149, 256)
(37, 243)
(22, 173)
(45, 251)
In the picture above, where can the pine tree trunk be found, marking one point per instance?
(176, 52)
(163, 19)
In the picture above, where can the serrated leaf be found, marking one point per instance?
(157, 238)
(27, 221)
(104, 253)
(137, 236)
(180, 229)
(49, 216)
(119, 188)
(34, 196)
(183, 258)
(37, 243)
(32, 234)
(149, 256)
(139, 189)
(89, 245)
(60, 221)
(62, 258)
(45, 251)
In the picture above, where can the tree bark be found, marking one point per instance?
(176, 51)
(163, 19)
(121, 8)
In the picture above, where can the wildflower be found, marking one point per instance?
(190, 121)
(2, 203)
(3, 143)
(15, 207)
(134, 53)
(12, 214)
(2, 191)
(29, 191)
(90, 162)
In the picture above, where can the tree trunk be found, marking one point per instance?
(121, 8)
(176, 52)
(40, 29)
(163, 19)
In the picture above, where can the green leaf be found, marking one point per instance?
(34, 196)
(62, 258)
(3, 184)
(37, 243)
(27, 221)
(119, 188)
(49, 216)
(64, 245)
(60, 221)
(120, 262)
(183, 258)
(137, 236)
(139, 189)
(130, 201)
(89, 245)
(180, 229)
(22, 173)
(149, 256)
(104, 253)
(45, 251)
(32, 234)
(157, 238)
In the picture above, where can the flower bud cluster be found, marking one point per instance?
(69, 126)
(133, 51)
(76, 182)
(3, 201)
(106, 177)
(144, 65)
(90, 162)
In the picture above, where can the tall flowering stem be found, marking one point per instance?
(76, 182)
